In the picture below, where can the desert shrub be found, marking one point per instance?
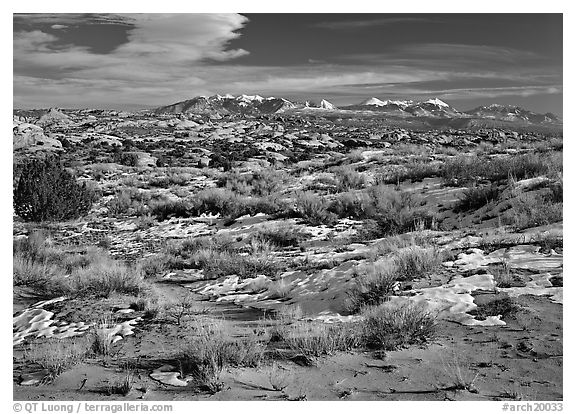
(258, 183)
(413, 171)
(373, 285)
(218, 256)
(179, 308)
(102, 335)
(476, 197)
(314, 209)
(58, 355)
(106, 276)
(376, 282)
(216, 201)
(208, 351)
(128, 201)
(391, 212)
(123, 386)
(47, 192)
(415, 262)
(222, 263)
(390, 326)
(172, 178)
(504, 307)
(41, 275)
(129, 159)
(281, 235)
(152, 266)
(33, 247)
(531, 210)
(316, 338)
(166, 209)
(464, 169)
(354, 205)
(347, 178)
(246, 352)
(147, 303)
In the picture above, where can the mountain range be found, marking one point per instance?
(431, 108)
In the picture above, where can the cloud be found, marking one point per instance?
(172, 57)
(164, 49)
(70, 19)
(361, 24)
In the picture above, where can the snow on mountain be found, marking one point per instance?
(249, 98)
(373, 101)
(401, 104)
(437, 102)
(324, 104)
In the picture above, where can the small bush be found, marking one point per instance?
(413, 171)
(257, 183)
(281, 235)
(314, 209)
(476, 197)
(348, 179)
(464, 169)
(317, 339)
(102, 337)
(373, 285)
(179, 309)
(390, 212)
(500, 306)
(40, 275)
(104, 277)
(128, 201)
(122, 387)
(415, 262)
(531, 210)
(47, 192)
(164, 210)
(390, 327)
(58, 355)
(209, 351)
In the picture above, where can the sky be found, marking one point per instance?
(133, 61)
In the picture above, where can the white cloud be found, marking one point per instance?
(163, 51)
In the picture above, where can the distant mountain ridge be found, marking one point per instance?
(431, 108)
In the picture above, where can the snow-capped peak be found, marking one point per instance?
(402, 104)
(249, 98)
(437, 102)
(373, 101)
(324, 104)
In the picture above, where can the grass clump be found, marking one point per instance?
(502, 307)
(123, 386)
(104, 277)
(375, 283)
(415, 262)
(391, 212)
(347, 178)
(314, 209)
(58, 355)
(465, 169)
(209, 351)
(414, 171)
(475, 197)
(257, 183)
(316, 338)
(391, 326)
(281, 235)
(531, 210)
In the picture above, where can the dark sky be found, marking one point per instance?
(142, 60)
